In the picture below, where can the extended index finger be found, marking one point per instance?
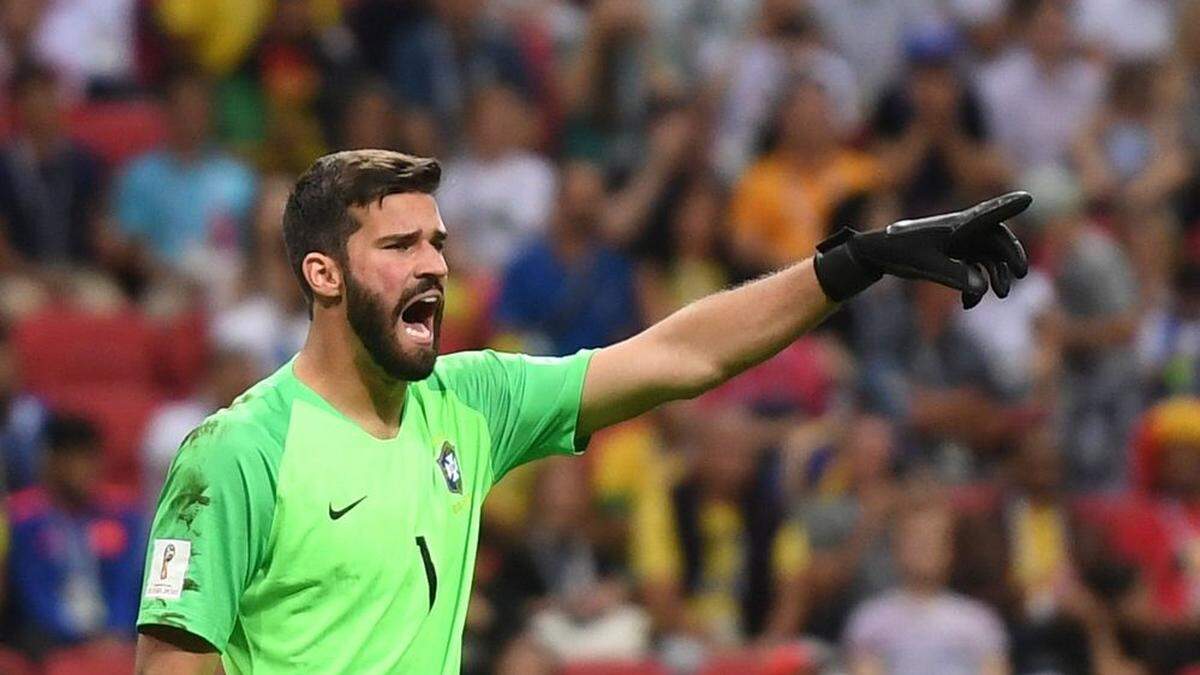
(994, 211)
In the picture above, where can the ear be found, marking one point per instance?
(323, 275)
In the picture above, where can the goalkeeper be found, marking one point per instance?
(327, 520)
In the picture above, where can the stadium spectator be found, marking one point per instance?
(1169, 340)
(1030, 550)
(608, 86)
(304, 71)
(90, 44)
(18, 20)
(265, 318)
(369, 118)
(693, 265)
(929, 373)
(587, 612)
(226, 375)
(871, 36)
(76, 558)
(1158, 532)
(1094, 324)
(787, 43)
(716, 558)
(922, 627)
(1036, 94)
(498, 195)
(847, 519)
(438, 62)
(1132, 162)
(182, 207)
(568, 290)
(784, 203)
(50, 186)
(932, 132)
(23, 421)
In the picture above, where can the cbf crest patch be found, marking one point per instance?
(448, 461)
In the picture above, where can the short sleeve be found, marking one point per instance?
(210, 531)
(531, 403)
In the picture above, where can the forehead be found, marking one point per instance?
(397, 214)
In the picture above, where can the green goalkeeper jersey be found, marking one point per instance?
(293, 541)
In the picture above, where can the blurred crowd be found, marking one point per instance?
(911, 489)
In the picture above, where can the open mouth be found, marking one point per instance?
(418, 315)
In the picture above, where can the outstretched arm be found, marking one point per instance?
(717, 337)
(701, 345)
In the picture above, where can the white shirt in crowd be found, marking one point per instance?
(494, 207)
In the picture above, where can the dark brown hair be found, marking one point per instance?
(318, 218)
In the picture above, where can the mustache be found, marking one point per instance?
(422, 286)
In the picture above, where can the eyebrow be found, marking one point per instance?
(409, 237)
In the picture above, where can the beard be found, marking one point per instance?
(375, 324)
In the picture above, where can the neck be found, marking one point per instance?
(338, 368)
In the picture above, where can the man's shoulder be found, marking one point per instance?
(255, 423)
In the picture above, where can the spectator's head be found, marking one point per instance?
(369, 119)
(1038, 465)
(695, 222)
(73, 459)
(933, 83)
(1131, 89)
(1176, 428)
(726, 453)
(36, 97)
(189, 110)
(458, 15)
(364, 239)
(18, 19)
(924, 541)
(581, 197)
(497, 122)
(868, 443)
(293, 19)
(562, 497)
(789, 20)
(806, 121)
(1058, 210)
(1047, 26)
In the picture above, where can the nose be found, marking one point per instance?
(432, 263)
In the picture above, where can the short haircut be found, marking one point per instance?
(318, 217)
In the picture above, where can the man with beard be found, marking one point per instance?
(327, 520)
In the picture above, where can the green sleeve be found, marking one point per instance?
(531, 403)
(217, 504)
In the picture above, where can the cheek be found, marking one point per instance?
(384, 274)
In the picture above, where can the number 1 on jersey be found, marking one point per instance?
(430, 572)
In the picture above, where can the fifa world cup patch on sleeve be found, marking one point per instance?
(168, 568)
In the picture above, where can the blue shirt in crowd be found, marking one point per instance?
(590, 303)
(176, 207)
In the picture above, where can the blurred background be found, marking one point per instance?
(911, 489)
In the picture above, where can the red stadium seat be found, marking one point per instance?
(14, 663)
(119, 130)
(614, 668)
(97, 659)
(120, 412)
(63, 347)
(786, 659)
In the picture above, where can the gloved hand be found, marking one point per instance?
(962, 250)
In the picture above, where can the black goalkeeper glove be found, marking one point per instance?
(962, 250)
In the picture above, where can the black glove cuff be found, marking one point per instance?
(840, 274)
